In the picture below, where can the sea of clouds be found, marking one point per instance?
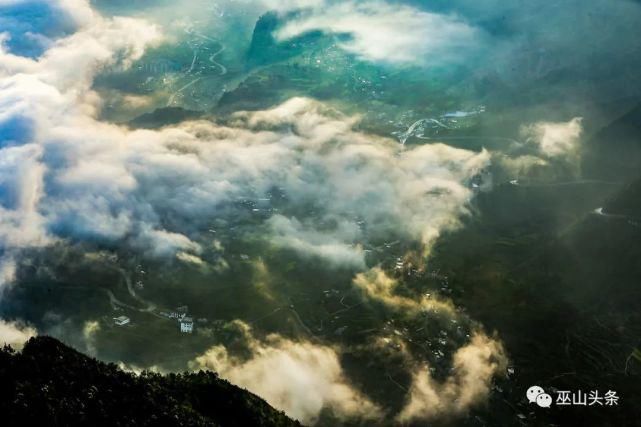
(68, 176)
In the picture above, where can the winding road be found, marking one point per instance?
(149, 307)
(212, 59)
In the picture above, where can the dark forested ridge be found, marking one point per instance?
(50, 383)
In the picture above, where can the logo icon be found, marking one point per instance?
(533, 392)
(536, 394)
(544, 400)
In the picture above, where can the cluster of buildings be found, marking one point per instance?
(121, 320)
(180, 314)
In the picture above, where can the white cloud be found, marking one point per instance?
(68, 175)
(555, 139)
(333, 247)
(15, 334)
(89, 331)
(388, 33)
(288, 5)
(190, 258)
(379, 286)
(300, 378)
(7, 269)
(474, 366)
(21, 173)
(109, 183)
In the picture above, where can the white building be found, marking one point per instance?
(121, 320)
(186, 325)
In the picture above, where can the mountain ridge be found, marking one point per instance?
(49, 382)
